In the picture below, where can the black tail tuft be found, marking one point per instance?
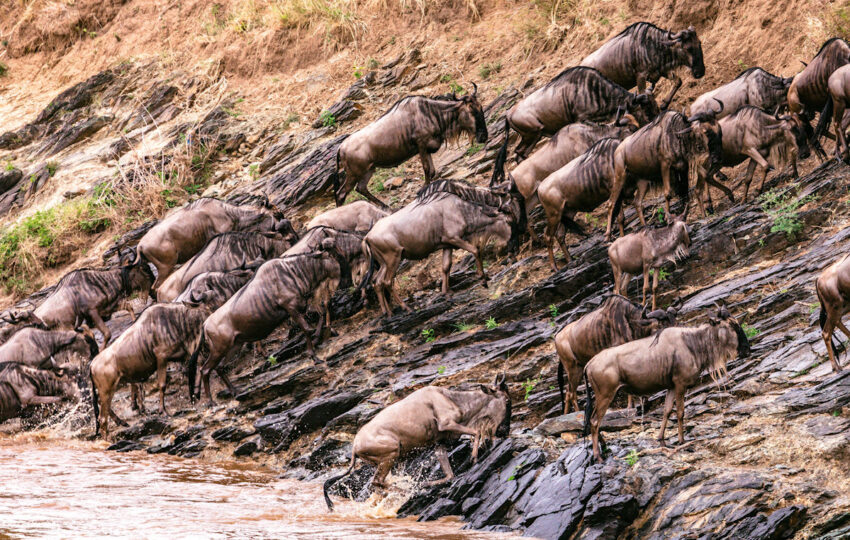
(501, 157)
(372, 264)
(334, 479)
(823, 121)
(192, 367)
(561, 384)
(588, 405)
(94, 404)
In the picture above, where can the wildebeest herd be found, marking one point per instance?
(229, 274)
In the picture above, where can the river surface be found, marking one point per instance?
(60, 488)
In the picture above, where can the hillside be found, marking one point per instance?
(112, 113)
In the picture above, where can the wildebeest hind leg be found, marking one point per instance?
(363, 189)
(680, 409)
(443, 458)
(828, 328)
(460, 243)
(296, 317)
(162, 381)
(98, 322)
(447, 268)
(668, 408)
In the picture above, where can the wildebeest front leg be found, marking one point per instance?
(668, 190)
(427, 164)
(447, 267)
(162, 381)
(137, 397)
(443, 458)
(828, 328)
(680, 409)
(677, 83)
(362, 188)
(655, 273)
(838, 118)
(668, 408)
(296, 317)
(646, 271)
(460, 243)
(100, 325)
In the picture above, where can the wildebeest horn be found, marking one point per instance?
(658, 314)
(804, 64)
(720, 110)
(474, 90)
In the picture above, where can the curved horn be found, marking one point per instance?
(720, 110)
(474, 90)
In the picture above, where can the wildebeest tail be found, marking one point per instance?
(822, 321)
(92, 343)
(192, 366)
(94, 405)
(588, 405)
(501, 157)
(335, 177)
(824, 120)
(561, 381)
(372, 264)
(334, 479)
(572, 226)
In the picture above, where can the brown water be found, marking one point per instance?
(59, 488)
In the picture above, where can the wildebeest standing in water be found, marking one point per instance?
(446, 215)
(647, 251)
(223, 252)
(567, 144)
(45, 349)
(413, 125)
(184, 232)
(753, 86)
(672, 360)
(579, 94)
(613, 323)
(667, 149)
(22, 386)
(833, 290)
(643, 52)
(357, 216)
(427, 416)
(92, 295)
(163, 333)
(809, 91)
(753, 134)
(281, 288)
(839, 92)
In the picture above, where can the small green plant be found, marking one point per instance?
(474, 149)
(463, 327)
(836, 413)
(491, 324)
(485, 70)
(10, 166)
(517, 468)
(741, 65)
(813, 307)
(659, 215)
(3, 69)
(327, 118)
(194, 189)
(272, 360)
(529, 385)
(662, 273)
(428, 335)
(51, 168)
(445, 78)
(358, 71)
(749, 331)
(553, 310)
(761, 242)
(254, 170)
(456, 88)
(632, 457)
(441, 370)
(233, 112)
(782, 209)
(292, 118)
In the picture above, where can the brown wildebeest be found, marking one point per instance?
(753, 134)
(579, 186)
(92, 295)
(413, 125)
(218, 286)
(668, 149)
(184, 232)
(282, 288)
(357, 216)
(613, 323)
(567, 144)
(223, 252)
(673, 360)
(14, 320)
(643, 52)
(446, 215)
(22, 386)
(833, 290)
(647, 251)
(809, 91)
(427, 416)
(162, 333)
(40, 349)
(839, 92)
(578, 94)
(753, 86)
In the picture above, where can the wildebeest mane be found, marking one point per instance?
(406, 99)
(465, 191)
(584, 69)
(829, 42)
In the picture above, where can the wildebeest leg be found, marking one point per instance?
(680, 409)
(137, 397)
(381, 472)
(748, 177)
(600, 408)
(837, 118)
(100, 325)
(668, 408)
(527, 143)
(162, 381)
(640, 80)
(460, 243)
(616, 188)
(427, 164)
(561, 236)
(826, 333)
(654, 286)
(552, 222)
(763, 178)
(443, 458)
(677, 83)
(668, 189)
(646, 271)
(447, 267)
(362, 188)
(298, 319)
(574, 374)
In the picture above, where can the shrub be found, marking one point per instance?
(327, 118)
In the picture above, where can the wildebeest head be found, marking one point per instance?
(21, 318)
(471, 116)
(642, 107)
(137, 276)
(661, 318)
(795, 124)
(329, 246)
(724, 318)
(708, 136)
(497, 413)
(513, 206)
(284, 227)
(687, 44)
(87, 340)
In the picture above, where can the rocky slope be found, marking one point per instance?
(768, 446)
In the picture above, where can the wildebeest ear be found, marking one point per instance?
(713, 321)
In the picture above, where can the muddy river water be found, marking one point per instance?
(60, 488)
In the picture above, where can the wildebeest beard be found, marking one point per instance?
(743, 341)
(715, 149)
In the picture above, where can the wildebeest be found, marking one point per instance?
(839, 92)
(753, 86)
(833, 290)
(643, 52)
(427, 416)
(21, 386)
(348, 243)
(92, 295)
(281, 288)
(446, 215)
(14, 320)
(42, 349)
(579, 186)
(809, 91)
(579, 94)
(218, 286)
(614, 322)
(223, 252)
(357, 216)
(669, 149)
(413, 125)
(753, 134)
(162, 333)
(647, 251)
(672, 360)
(567, 144)
(184, 232)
